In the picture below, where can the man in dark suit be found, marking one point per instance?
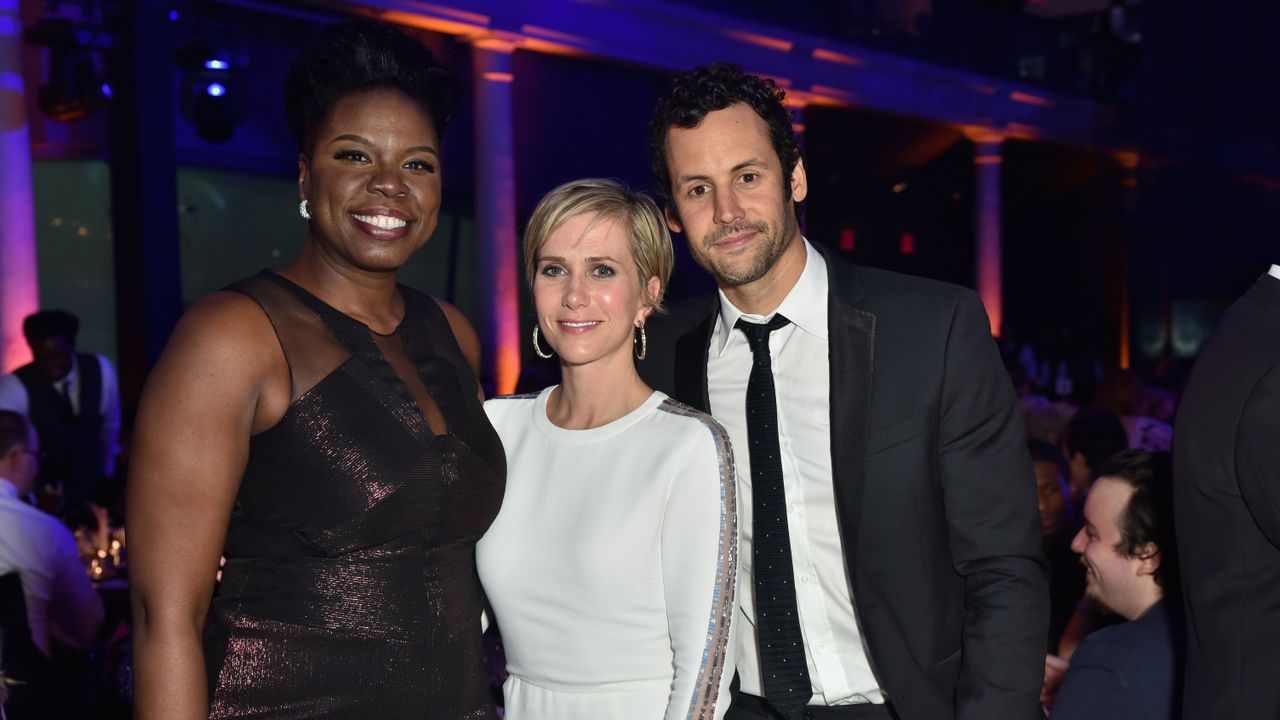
(1226, 446)
(890, 542)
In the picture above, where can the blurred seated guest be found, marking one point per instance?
(73, 399)
(1160, 404)
(61, 603)
(1090, 438)
(1058, 517)
(611, 566)
(1122, 392)
(321, 426)
(1045, 420)
(1129, 671)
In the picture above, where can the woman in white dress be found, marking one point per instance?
(611, 567)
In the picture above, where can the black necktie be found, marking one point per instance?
(782, 663)
(62, 388)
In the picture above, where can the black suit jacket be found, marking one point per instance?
(1226, 446)
(935, 491)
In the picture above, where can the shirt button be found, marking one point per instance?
(791, 507)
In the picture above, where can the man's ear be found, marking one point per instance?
(1149, 559)
(799, 182)
(673, 220)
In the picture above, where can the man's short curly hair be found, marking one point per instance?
(1148, 517)
(704, 90)
(357, 57)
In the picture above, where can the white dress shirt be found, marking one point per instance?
(60, 598)
(1274, 271)
(13, 396)
(839, 668)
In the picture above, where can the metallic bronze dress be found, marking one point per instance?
(350, 588)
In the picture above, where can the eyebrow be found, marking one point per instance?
(752, 162)
(594, 258)
(366, 141)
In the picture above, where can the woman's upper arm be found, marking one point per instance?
(190, 448)
(699, 573)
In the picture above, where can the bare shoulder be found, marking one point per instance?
(463, 333)
(223, 353)
(228, 326)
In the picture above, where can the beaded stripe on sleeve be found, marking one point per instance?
(706, 690)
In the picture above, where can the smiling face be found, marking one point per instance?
(1116, 581)
(373, 181)
(728, 187)
(587, 292)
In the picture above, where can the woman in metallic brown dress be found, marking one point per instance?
(321, 427)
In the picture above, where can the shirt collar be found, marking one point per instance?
(805, 305)
(1274, 271)
(7, 489)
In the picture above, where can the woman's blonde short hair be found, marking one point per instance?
(647, 235)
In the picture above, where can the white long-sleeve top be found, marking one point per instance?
(60, 598)
(611, 567)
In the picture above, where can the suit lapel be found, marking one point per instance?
(691, 363)
(851, 347)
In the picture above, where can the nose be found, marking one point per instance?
(1078, 542)
(387, 181)
(728, 210)
(575, 292)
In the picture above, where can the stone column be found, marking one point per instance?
(498, 271)
(986, 225)
(19, 286)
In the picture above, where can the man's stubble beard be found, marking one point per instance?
(774, 247)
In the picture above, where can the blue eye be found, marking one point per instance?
(603, 271)
(552, 270)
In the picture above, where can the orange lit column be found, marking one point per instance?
(498, 271)
(19, 289)
(986, 225)
(1129, 162)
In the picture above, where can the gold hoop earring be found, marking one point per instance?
(538, 349)
(644, 344)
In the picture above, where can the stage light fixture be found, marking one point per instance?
(209, 98)
(74, 86)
